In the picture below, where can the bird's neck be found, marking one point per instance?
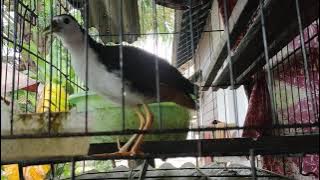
(75, 44)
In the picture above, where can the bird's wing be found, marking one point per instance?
(139, 68)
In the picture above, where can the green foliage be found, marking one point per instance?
(164, 19)
(44, 13)
(102, 166)
(3, 177)
(59, 170)
(64, 170)
(77, 15)
(25, 100)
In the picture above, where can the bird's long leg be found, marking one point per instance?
(149, 120)
(126, 146)
(124, 150)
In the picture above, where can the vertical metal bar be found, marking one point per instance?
(1, 37)
(20, 44)
(199, 120)
(266, 55)
(73, 168)
(191, 32)
(28, 69)
(120, 26)
(284, 165)
(14, 64)
(276, 71)
(229, 60)
(285, 87)
(60, 68)
(141, 15)
(20, 169)
(291, 89)
(66, 77)
(253, 164)
(316, 110)
(52, 170)
(37, 58)
(130, 174)
(7, 55)
(143, 169)
(51, 71)
(313, 90)
(225, 111)
(295, 61)
(305, 60)
(59, 74)
(317, 27)
(57, 95)
(83, 166)
(194, 63)
(45, 64)
(99, 21)
(86, 41)
(155, 38)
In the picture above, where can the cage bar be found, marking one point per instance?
(256, 64)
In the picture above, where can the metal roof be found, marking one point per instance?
(184, 46)
(187, 171)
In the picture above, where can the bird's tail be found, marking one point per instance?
(191, 98)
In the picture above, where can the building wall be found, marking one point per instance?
(208, 106)
(217, 105)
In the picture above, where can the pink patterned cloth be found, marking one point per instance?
(258, 109)
(302, 108)
(297, 108)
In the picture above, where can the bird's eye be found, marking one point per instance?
(66, 20)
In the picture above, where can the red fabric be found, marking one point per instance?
(32, 88)
(302, 109)
(258, 109)
(298, 109)
(230, 5)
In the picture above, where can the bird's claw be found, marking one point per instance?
(120, 154)
(132, 146)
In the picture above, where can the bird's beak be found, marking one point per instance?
(54, 27)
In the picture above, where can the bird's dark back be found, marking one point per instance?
(139, 68)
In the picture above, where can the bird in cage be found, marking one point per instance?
(100, 66)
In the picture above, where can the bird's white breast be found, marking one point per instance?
(105, 83)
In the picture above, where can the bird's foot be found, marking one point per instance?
(136, 153)
(120, 154)
(123, 151)
(136, 140)
(115, 154)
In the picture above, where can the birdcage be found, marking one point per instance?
(255, 66)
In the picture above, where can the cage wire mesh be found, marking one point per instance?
(256, 64)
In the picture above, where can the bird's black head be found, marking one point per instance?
(64, 26)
